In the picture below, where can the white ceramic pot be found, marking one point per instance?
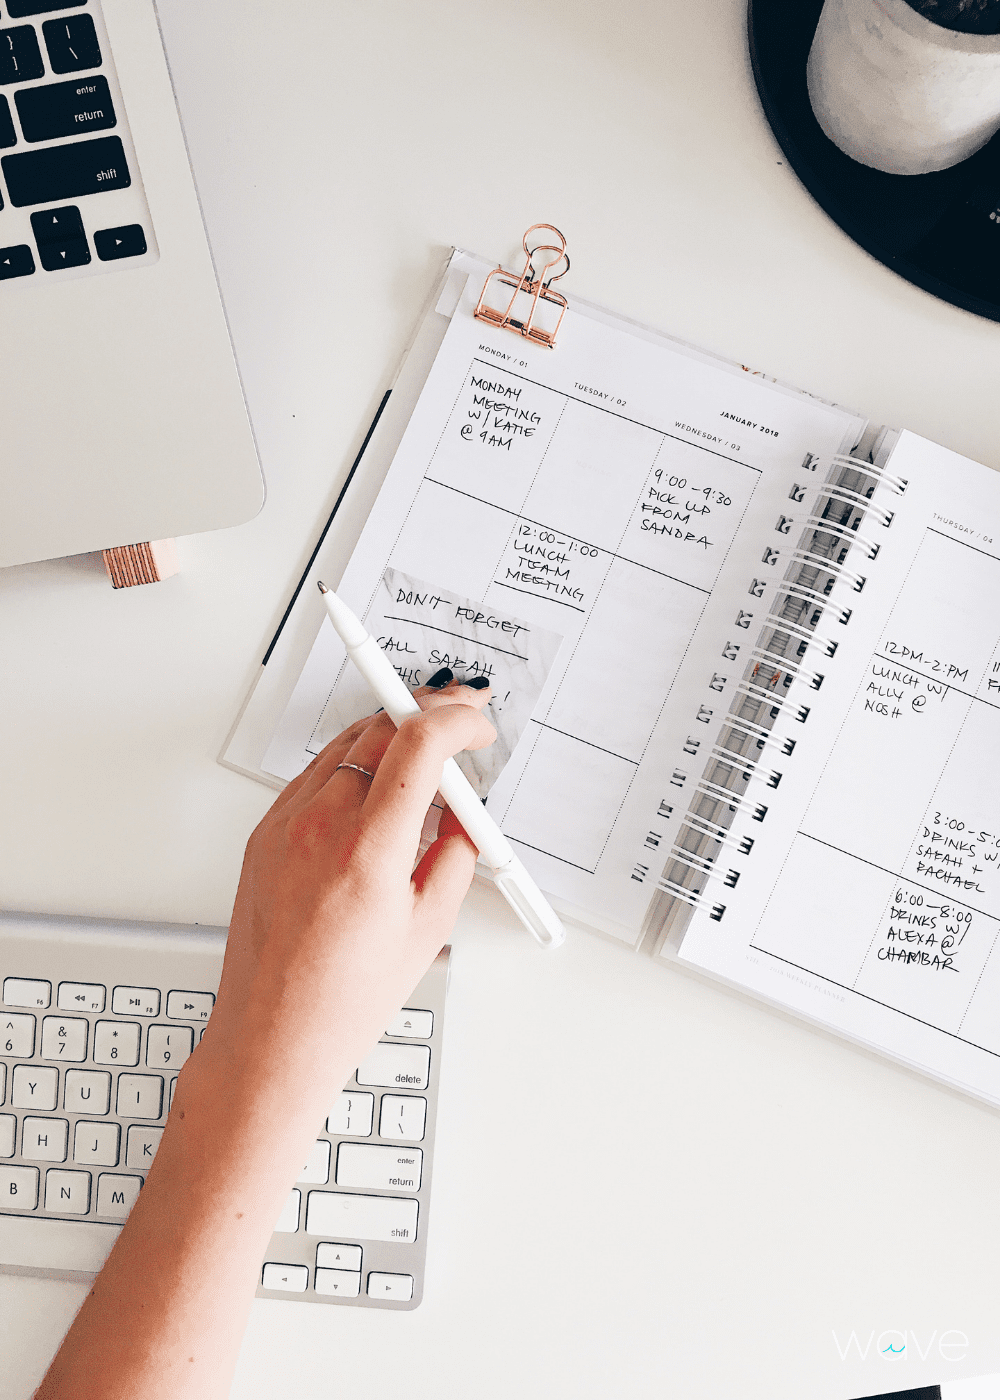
(898, 93)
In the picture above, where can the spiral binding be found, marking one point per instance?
(744, 845)
(810, 638)
(824, 562)
(788, 633)
(815, 678)
(864, 502)
(898, 483)
(809, 595)
(823, 526)
(767, 740)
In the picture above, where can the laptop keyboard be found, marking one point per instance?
(72, 202)
(95, 1023)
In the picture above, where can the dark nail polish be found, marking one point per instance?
(441, 677)
(478, 683)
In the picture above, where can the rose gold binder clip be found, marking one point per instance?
(532, 310)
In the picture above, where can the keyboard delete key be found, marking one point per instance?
(390, 1066)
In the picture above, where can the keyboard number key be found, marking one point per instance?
(81, 996)
(67, 1192)
(64, 1039)
(87, 1091)
(116, 1043)
(17, 1036)
(135, 1001)
(351, 1115)
(168, 1046)
(26, 991)
(190, 1006)
(116, 1195)
(139, 1095)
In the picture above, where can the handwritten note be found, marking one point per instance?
(422, 628)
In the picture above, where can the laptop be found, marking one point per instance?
(122, 417)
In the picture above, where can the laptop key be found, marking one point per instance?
(66, 172)
(55, 226)
(72, 44)
(126, 242)
(65, 109)
(24, 9)
(61, 243)
(20, 58)
(75, 252)
(8, 136)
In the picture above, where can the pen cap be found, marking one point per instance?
(529, 904)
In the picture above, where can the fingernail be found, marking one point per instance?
(441, 677)
(478, 683)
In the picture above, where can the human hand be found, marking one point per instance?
(333, 927)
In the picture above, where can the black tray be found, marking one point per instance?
(935, 230)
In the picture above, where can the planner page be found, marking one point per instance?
(876, 904)
(604, 492)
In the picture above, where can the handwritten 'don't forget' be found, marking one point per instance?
(422, 628)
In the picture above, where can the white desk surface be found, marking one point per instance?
(644, 1186)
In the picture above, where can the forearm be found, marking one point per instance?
(167, 1313)
(333, 926)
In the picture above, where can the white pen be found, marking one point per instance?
(509, 873)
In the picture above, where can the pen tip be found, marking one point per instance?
(322, 587)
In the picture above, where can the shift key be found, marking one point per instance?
(342, 1215)
(66, 172)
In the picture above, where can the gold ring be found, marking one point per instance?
(356, 768)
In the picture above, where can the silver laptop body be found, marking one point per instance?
(122, 417)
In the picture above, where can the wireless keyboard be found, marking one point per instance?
(71, 196)
(96, 1020)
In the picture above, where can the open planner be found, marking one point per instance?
(744, 650)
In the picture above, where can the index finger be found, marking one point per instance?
(409, 773)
